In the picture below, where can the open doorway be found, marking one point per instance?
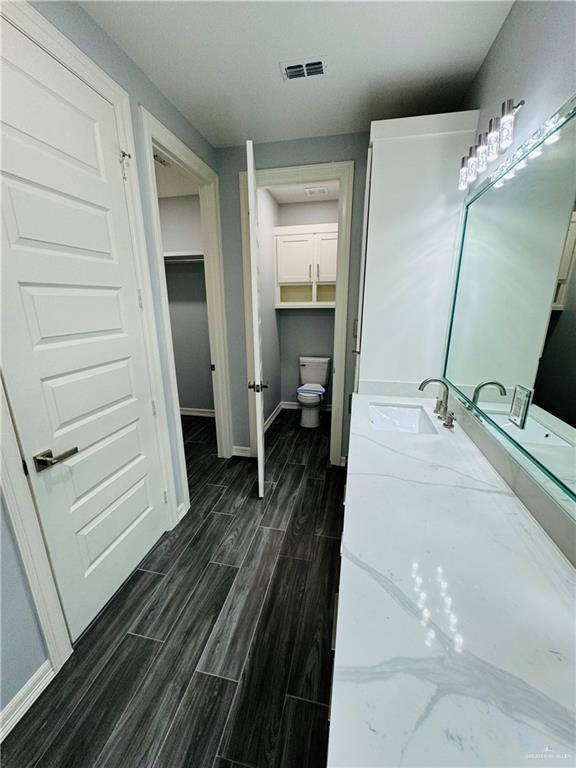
(185, 222)
(183, 254)
(303, 255)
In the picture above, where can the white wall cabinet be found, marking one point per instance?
(306, 260)
(294, 258)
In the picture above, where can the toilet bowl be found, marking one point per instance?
(314, 373)
(310, 397)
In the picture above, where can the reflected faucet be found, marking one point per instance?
(441, 403)
(500, 387)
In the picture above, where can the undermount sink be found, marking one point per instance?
(388, 417)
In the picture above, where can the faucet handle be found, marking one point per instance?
(449, 420)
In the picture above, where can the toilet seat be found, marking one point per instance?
(314, 390)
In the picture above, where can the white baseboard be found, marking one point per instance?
(181, 511)
(26, 696)
(270, 420)
(197, 412)
(293, 405)
(241, 450)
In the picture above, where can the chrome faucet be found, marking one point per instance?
(500, 387)
(441, 403)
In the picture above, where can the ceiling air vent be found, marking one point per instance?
(315, 191)
(295, 70)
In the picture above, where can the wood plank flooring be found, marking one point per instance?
(216, 653)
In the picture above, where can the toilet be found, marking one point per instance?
(314, 374)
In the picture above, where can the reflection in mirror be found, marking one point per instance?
(514, 317)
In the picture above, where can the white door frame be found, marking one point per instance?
(343, 172)
(21, 509)
(158, 136)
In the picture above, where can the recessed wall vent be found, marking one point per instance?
(315, 191)
(295, 70)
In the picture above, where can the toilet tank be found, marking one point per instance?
(314, 370)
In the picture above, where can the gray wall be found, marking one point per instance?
(180, 224)
(532, 58)
(22, 647)
(231, 161)
(189, 321)
(319, 212)
(308, 332)
(83, 31)
(267, 220)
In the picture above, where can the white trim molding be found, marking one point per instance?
(270, 420)
(30, 542)
(242, 450)
(208, 412)
(343, 172)
(26, 696)
(156, 135)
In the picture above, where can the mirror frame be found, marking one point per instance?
(551, 126)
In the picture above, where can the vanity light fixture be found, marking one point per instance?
(493, 139)
(463, 177)
(472, 165)
(509, 110)
(482, 152)
(497, 139)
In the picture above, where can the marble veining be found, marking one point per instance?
(455, 640)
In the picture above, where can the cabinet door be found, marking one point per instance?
(294, 258)
(326, 257)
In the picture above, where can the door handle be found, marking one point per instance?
(45, 460)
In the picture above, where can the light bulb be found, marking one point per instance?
(463, 177)
(499, 183)
(493, 139)
(507, 124)
(552, 139)
(482, 153)
(472, 165)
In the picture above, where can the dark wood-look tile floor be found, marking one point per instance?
(216, 653)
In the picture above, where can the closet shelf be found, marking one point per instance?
(178, 257)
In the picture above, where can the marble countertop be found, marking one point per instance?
(455, 641)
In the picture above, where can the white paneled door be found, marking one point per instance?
(256, 386)
(74, 359)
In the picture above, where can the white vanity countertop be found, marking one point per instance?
(487, 677)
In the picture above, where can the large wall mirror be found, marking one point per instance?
(514, 311)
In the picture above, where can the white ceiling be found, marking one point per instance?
(173, 181)
(218, 61)
(296, 193)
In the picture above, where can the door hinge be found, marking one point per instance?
(153, 407)
(165, 497)
(349, 403)
(355, 328)
(25, 467)
(140, 301)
